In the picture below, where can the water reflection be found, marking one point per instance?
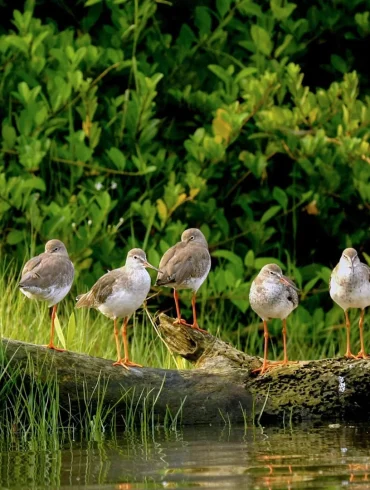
(255, 458)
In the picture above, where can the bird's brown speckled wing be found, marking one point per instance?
(45, 270)
(292, 291)
(32, 264)
(192, 262)
(367, 268)
(166, 264)
(291, 282)
(100, 291)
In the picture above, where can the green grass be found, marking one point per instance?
(32, 418)
(312, 332)
(85, 331)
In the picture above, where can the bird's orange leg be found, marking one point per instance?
(348, 353)
(195, 323)
(179, 320)
(51, 343)
(362, 353)
(117, 341)
(126, 363)
(285, 362)
(265, 365)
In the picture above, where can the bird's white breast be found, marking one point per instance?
(271, 301)
(124, 302)
(351, 290)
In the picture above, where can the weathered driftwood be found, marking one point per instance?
(222, 387)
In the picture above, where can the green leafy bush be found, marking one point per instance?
(123, 123)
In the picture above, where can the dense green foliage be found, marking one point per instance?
(124, 122)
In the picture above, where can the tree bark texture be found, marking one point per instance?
(222, 387)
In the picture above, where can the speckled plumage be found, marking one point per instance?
(48, 277)
(269, 297)
(350, 281)
(118, 294)
(272, 295)
(186, 265)
(350, 288)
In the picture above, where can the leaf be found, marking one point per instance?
(241, 296)
(24, 90)
(71, 329)
(288, 39)
(9, 136)
(367, 257)
(162, 209)
(261, 39)
(325, 274)
(244, 73)
(117, 157)
(242, 304)
(280, 196)
(220, 73)
(203, 20)
(181, 198)
(281, 13)
(270, 213)
(186, 37)
(338, 63)
(220, 127)
(59, 332)
(88, 3)
(15, 236)
(247, 7)
(249, 259)
(34, 183)
(38, 40)
(310, 284)
(230, 256)
(223, 6)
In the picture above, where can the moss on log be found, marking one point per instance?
(222, 385)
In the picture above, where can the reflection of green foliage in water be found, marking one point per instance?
(123, 124)
(219, 458)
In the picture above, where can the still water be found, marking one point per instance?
(327, 457)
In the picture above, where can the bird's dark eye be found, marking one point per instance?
(271, 272)
(55, 249)
(135, 257)
(191, 238)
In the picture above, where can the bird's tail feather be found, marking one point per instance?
(83, 300)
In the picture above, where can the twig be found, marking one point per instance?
(78, 163)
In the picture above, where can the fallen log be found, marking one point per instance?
(222, 387)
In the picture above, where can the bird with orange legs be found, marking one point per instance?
(118, 294)
(48, 277)
(350, 288)
(272, 295)
(186, 266)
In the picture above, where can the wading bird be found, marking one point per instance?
(118, 294)
(350, 288)
(48, 277)
(273, 295)
(185, 266)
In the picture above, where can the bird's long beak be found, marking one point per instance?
(146, 264)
